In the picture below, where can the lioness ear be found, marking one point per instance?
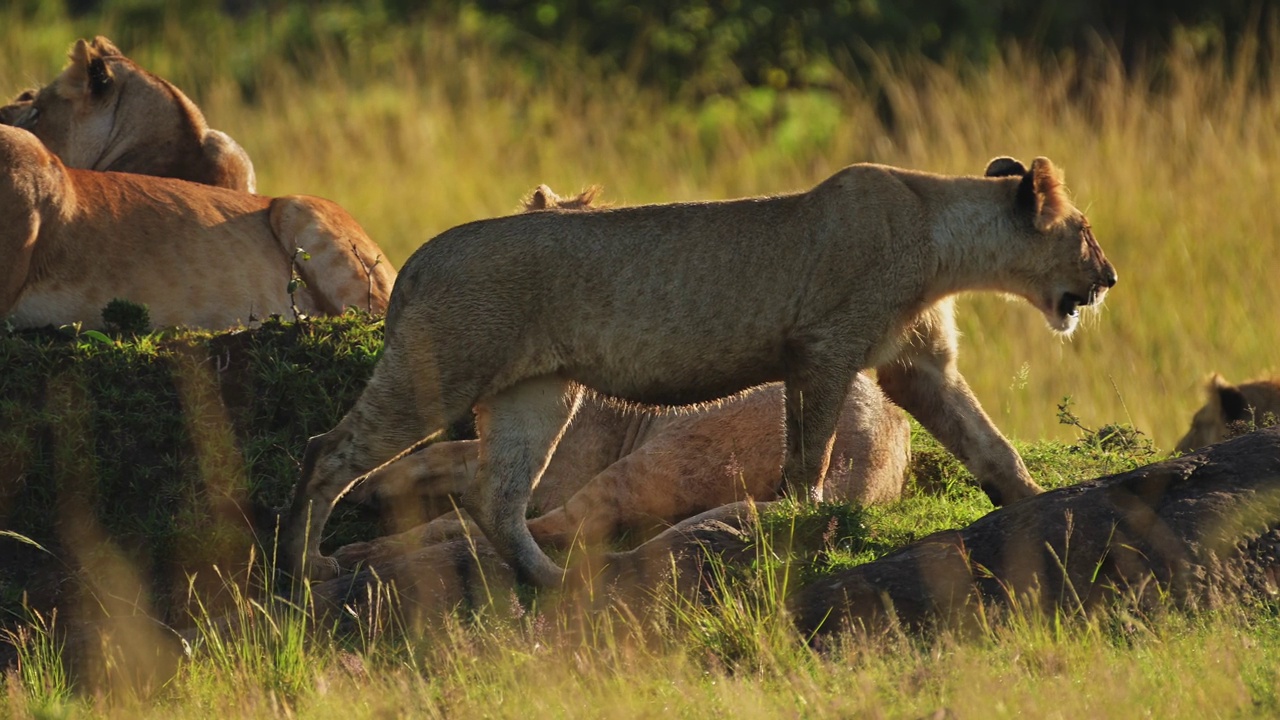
(1005, 167)
(88, 69)
(106, 48)
(587, 197)
(1228, 398)
(541, 198)
(1043, 192)
(80, 55)
(100, 77)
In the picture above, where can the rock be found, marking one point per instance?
(1195, 530)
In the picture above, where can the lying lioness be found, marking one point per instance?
(73, 240)
(618, 469)
(686, 303)
(106, 113)
(1249, 402)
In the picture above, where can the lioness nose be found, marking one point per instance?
(1109, 275)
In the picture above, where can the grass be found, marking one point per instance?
(429, 127)
(734, 655)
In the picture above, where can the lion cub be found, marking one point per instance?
(1251, 401)
(103, 112)
(685, 303)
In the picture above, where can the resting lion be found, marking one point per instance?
(618, 469)
(1249, 402)
(691, 302)
(106, 113)
(73, 240)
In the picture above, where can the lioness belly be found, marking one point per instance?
(665, 371)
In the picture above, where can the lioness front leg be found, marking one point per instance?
(379, 425)
(927, 384)
(814, 399)
(519, 429)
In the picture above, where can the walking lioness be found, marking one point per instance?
(691, 302)
(73, 240)
(620, 469)
(103, 112)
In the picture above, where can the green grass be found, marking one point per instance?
(734, 655)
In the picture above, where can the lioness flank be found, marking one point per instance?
(106, 113)
(1249, 402)
(73, 240)
(686, 303)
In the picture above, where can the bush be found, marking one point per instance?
(173, 448)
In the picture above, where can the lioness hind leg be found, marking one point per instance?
(344, 267)
(519, 429)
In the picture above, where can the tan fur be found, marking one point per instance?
(544, 198)
(73, 240)
(1250, 402)
(691, 302)
(619, 469)
(106, 113)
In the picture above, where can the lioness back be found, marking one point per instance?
(671, 291)
(165, 254)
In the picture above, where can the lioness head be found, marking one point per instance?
(103, 112)
(544, 198)
(1066, 268)
(1250, 403)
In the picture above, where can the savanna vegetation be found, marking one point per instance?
(417, 120)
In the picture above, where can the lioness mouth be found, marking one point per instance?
(1069, 305)
(27, 121)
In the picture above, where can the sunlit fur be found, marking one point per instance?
(106, 113)
(688, 302)
(73, 240)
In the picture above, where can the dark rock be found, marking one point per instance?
(1195, 530)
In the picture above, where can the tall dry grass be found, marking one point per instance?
(429, 127)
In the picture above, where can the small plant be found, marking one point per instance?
(368, 273)
(1252, 422)
(122, 317)
(1114, 437)
(296, 282)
